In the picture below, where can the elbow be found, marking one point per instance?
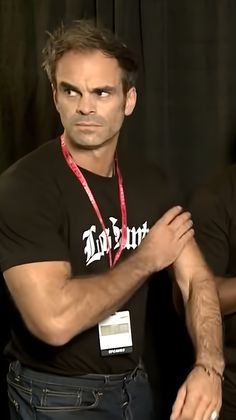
(52, 332)
(60, 331)
(54, 338)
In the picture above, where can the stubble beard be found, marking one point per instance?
(78, 144)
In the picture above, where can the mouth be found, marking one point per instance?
(88, 124)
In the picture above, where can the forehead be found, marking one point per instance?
(88, 67)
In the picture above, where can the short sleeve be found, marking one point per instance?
(30, 220)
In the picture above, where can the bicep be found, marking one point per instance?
(35, 289)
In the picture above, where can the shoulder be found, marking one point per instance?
(31, 181)
(143, 173)
(147, 183)
(42, 157)
(33, 170)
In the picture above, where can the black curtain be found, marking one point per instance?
(184, 120)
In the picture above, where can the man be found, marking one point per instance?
(81, 233)
(215, 220)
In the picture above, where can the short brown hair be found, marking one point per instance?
(83, 36)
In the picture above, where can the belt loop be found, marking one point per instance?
(140, 364)
(15, 367)
(134, 373)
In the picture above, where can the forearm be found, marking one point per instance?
(227, 294)
(87, 300)
(202, 308)
(204, 321)
(66, 305)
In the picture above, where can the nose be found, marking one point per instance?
(86, 105)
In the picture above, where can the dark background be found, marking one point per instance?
(184, 120)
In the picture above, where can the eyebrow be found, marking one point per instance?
(105, 88)
(66, 85)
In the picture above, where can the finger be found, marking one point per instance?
(212, 409)
(203, 409)
(182, 241)
(178, 404)
(214, 406)
(180, 220)
(185, 238)
(184, 228)
(189, 408)
(171, 214)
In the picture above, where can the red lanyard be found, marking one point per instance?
(92, 200)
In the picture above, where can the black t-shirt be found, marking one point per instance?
(45, 215)
(214, 214)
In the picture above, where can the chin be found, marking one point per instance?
(88, 146)
(88, 143)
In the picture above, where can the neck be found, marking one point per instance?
(95, 161)
(99, 161)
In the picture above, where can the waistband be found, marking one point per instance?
(22, 371)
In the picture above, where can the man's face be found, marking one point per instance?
(89, 98)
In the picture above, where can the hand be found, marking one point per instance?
(198, 397)
(167, 238)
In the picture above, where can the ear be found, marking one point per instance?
(130, 102)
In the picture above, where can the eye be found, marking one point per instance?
(102, 93)
(70, 92)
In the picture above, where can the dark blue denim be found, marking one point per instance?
(40, 396)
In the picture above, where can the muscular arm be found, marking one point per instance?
(201, 305)
(56, 307)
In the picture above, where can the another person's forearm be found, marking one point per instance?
(204, 322)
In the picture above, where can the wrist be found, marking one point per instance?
(210, 370)
(143, 261)
(214, 359)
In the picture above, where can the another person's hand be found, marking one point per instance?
(199, 398)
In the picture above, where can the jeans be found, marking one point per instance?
(41, 396)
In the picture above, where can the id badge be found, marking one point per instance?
(115, 334)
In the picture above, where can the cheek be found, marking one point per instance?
(114, 122)
(65, 110)
(118, 118)
(115, 116)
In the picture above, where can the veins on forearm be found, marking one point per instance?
(204, 322)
